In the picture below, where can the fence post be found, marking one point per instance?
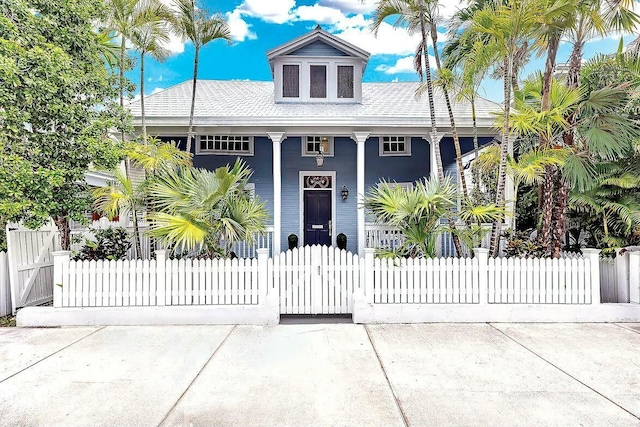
(594, 262)
(634, 277)
(483, 272)
(263, 272)
(60, 264)
(369, 254)
(161, 276)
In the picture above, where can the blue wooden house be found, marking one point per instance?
(316, 136)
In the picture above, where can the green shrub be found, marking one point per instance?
(110, 244)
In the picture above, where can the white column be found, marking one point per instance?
(634, 276)
(360, 138)
(276, 138)
(434, 138)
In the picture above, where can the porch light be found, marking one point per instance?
(319, 159)
(344, 192)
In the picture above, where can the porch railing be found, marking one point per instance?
(387, 237)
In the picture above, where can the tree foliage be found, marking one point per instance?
(56, 108)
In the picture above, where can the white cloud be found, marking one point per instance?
(403, 65)
(350, 6)
(388, 41)
(448, 7)
(175, 45)
(238, 27)
(319, 14)
(275, 11)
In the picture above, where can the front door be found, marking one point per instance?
(317, 217)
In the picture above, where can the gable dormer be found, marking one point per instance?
(318, 67)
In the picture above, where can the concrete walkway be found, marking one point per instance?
(322, 375)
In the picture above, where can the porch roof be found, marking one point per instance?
(251, 103)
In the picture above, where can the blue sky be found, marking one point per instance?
(260, 25)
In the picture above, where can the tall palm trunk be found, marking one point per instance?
(434, 129)
(144, 121)
(496, 229)
(193, 100)
(454, 131)
(136, 233)
(560, 210)
(122, 55)
(547, 201)
(476, 184)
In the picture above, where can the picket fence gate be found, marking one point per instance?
(31, 264)
(315, 280)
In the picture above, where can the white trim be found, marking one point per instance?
(207, 152)
(324, 36)
(301, 191)
(303, 146)
(407, 144)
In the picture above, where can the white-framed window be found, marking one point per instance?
(225, 144)
(311, 144)
(395, 146)
(318, 79)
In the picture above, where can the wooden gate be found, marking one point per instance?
(316, 280)
(31, 264)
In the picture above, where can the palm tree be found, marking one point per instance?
(416, 212)
(122, 197)
(594, 18)
(148, 38)
(504, 28)
(198, 210)
(411, 14)
(125, 196)
(123, 16)
(193, 23)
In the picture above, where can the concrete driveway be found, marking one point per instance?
(322, 375)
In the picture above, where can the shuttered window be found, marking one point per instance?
(345, 81)
(290, 81)
(318, 81)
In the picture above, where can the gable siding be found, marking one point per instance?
(317, 48)
(344, 164)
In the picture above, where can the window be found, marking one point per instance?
(317, 81)
(290, 81)
(345, 81)
(226, 144)
(395, 146)
(405, 185)
(312, 144)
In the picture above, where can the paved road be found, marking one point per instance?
(322, 375)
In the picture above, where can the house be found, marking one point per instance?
(316, 136)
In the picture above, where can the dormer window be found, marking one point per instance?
(318, 67)
(317, 81)
(345, 81)
(291, 81)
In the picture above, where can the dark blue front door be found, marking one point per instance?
(317, 215)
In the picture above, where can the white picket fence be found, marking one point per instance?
(6, 307)
(425, 281)
(481, 279)
(541, 281)
(160, 282)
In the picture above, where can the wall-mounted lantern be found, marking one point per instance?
(344, 192)
(319, 159)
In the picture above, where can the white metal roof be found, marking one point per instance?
(251, 103)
